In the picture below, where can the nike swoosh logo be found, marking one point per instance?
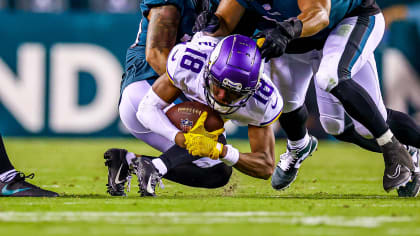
(149, 185)
(416, 162)
(274, 105)
(396, 174)
(8, 192)
(300, 160)
(173, 57)
(117, 177)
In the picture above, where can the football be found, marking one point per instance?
(184, 115)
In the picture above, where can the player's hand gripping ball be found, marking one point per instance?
(199, 140)
(185, 115)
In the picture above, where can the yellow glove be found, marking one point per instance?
(260, 42)
(200, 145)
(199, 128)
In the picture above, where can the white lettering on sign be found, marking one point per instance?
(24, 94)
(66, 115)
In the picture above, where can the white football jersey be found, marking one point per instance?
(185, 69)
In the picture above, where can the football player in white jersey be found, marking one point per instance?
(228, 77)
(162, 25)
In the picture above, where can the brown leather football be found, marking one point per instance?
(184, 115)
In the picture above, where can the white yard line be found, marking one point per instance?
(257, 217)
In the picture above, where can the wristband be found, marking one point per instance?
(385, 138)
(232, 156)
(219, 147)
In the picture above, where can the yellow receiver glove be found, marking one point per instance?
(200, 145)
(199, 128)
(260, 42)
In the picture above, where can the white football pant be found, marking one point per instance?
(292, 74)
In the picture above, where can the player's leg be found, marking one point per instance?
(173, 164)
(176, 164)
(404, 127)
(343, 55)
(118, 160)
(130, 99)
(400, 124)
(12, 182)
(134, 85)
(292, 75)
(7, 171)
(337, 123)
(191, 175)
(332, 115)
(349, 134)
(408, 132)
(345, 52)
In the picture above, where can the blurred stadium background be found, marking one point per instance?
(61, 62)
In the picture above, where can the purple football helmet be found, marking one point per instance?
(235, 66)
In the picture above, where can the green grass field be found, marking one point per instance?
(338, 192)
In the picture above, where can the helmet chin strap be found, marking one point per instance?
(221, 109)
(225, 110)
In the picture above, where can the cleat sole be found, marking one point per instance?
(315, 148)
(285, 187)
(403, 184)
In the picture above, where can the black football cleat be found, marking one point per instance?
(18, 187)
(398, 165)
(413, 187)
(118, 171)
(147, 175)
(287, 168)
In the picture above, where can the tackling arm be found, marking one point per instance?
(260, 162)
(222, 22)
(161, 35)
(314, 16)
(229, 13)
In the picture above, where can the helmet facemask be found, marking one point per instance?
(232, 74)
(235, 97)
